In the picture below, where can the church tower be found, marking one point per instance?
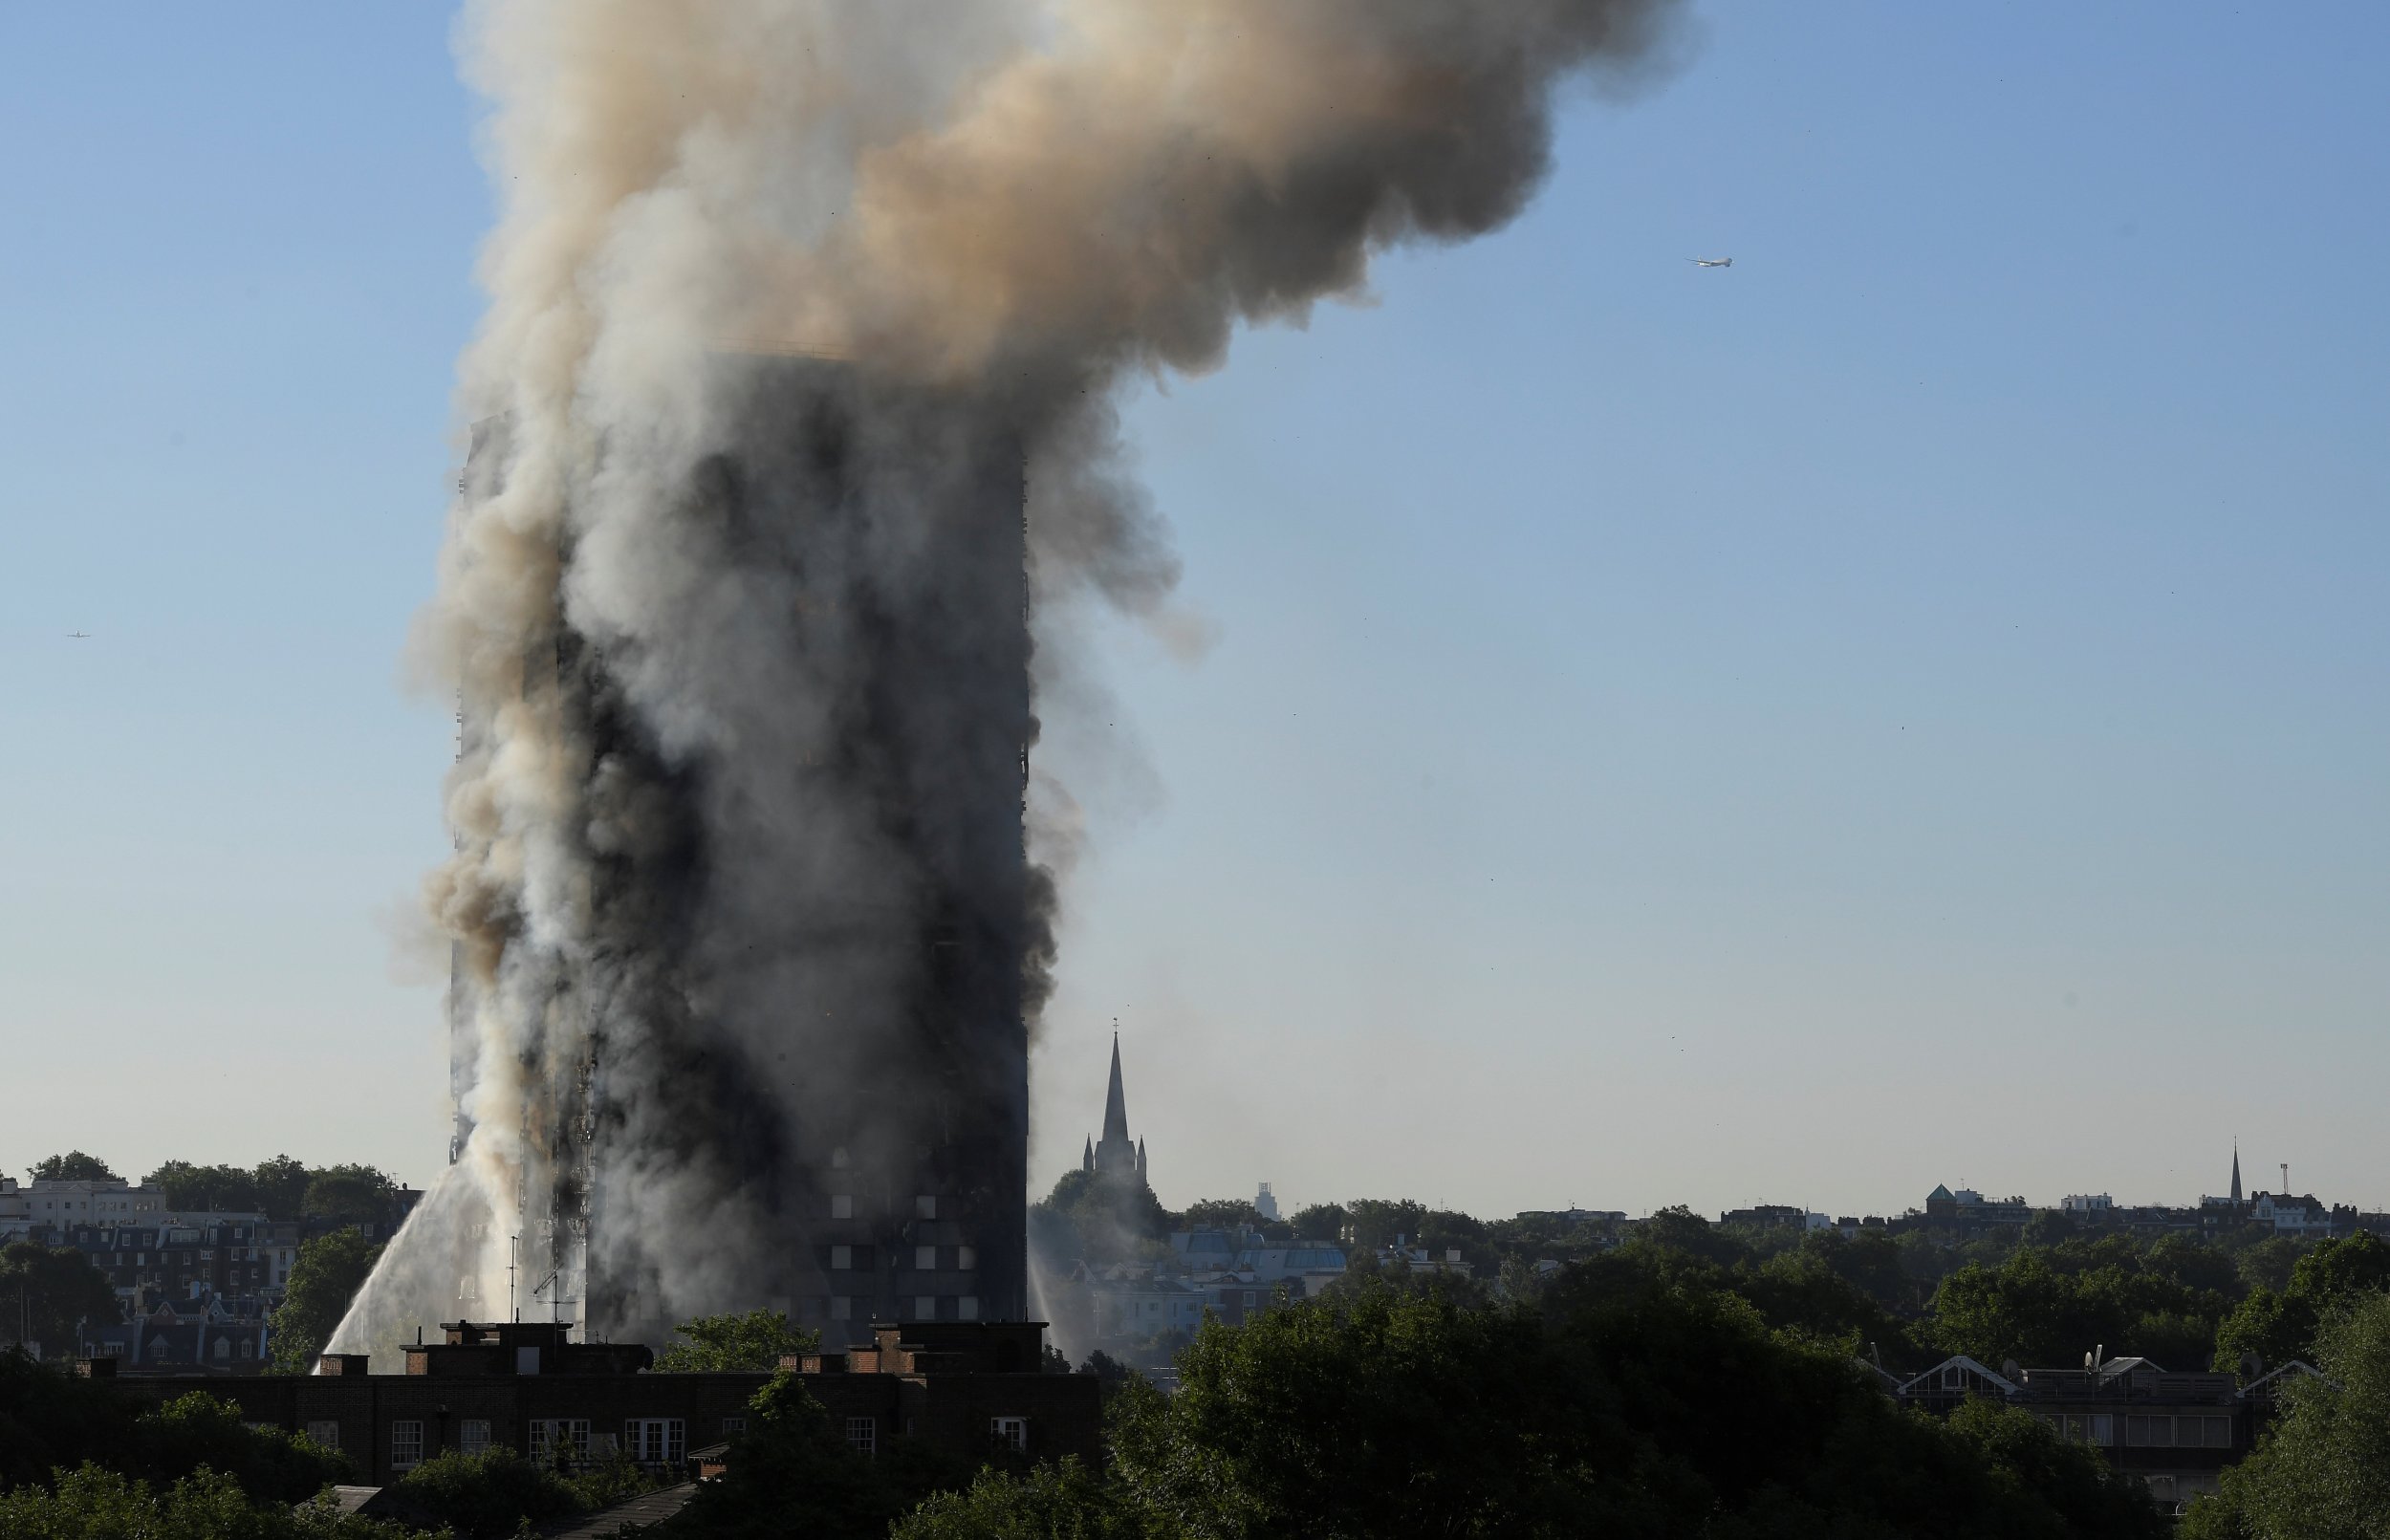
(2236, 1173)
(1116, 1154)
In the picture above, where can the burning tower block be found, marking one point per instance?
(794, 1069)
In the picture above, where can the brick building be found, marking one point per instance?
(2177, 1432)
(957, 1385)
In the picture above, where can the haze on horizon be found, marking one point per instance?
(1905, 708)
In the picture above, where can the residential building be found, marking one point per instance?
(2176, 1432)
(2300, 1216)
(962, 1387)
(1969, 1210)
(858, 1075)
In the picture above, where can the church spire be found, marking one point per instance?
(1116, 1104)
(2236, 1169)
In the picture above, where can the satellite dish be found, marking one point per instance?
(2011, 1370)
(2252, 1367)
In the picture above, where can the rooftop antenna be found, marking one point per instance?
(514, 1246)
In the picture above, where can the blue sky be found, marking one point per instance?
(1909, 709)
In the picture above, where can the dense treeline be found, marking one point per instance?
(2044, 1295)
(281, 1188)
(1625, 1402)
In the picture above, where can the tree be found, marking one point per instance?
(48, 1293)
(1220, 1214)
(1390, 1414)
(197, 1431)
(493, 1493)
(2323, 1472)
(716, 1344)
(326, 1276)
(281, 1185)
(2278, 1327)
(206, 1188)
(1320, 1222)
(1679, 1229)
(92, 1503)
(2268, 1264)
(1099, 1217)
(1049, 1502)
(2048, 1306)
(73, 1167)
(1372, 1222)
(791, 1448)
(352, 1193)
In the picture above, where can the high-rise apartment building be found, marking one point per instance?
(814, 920)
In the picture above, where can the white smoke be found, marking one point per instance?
(1010, 206)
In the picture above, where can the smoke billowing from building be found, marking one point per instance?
(795, 433)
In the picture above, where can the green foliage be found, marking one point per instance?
(716, 1344)
(280, 1189)
(1099, 1217)
(617, 1479)
(91, 1502)
(1371, 1223)
(2279, 1327)
(352, 1193)
(281, 1186)
(49, 1419)
(51, 1422)
(1220, 1214)
(73, 1167)
(324, 1279)
(792, 1447)
(490, 1494)
(223, 1189)
(44, 1290)
(2268, 1264)
(1635, 1405)
(2323, 1473)
(198, 1431)
(2050, 1304)
(1679, 1229)
(1054, 1501)
(2026, 1463)
(1320, 1222)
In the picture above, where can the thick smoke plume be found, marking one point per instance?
(786, 299)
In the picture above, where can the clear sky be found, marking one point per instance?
(1912, 708)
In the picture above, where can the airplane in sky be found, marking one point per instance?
(83, 633)
(1711, 262)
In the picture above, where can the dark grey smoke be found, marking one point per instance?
(788, 301)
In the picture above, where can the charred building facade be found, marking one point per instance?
(794, 1067)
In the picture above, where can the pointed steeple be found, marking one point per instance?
(1087, 1161)
(1116, 1104)
(2236, 1170)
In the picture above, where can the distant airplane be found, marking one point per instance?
(82, 633)
(1711, 262)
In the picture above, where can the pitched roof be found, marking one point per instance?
(1116, 1104)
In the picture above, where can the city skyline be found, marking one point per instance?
(1900, 710)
